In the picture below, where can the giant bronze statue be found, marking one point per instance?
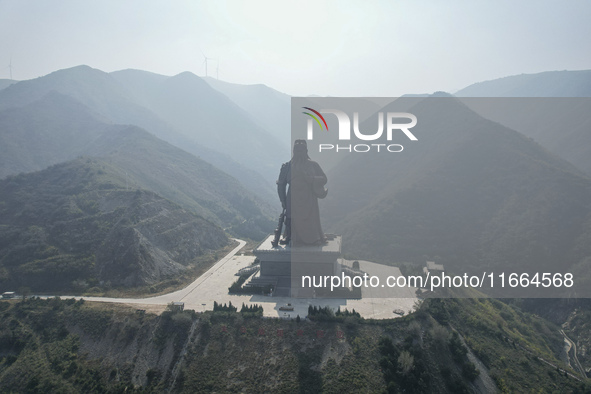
(301, 214)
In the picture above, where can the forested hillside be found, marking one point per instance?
(78, 225)
(57, 128)
(46, 345)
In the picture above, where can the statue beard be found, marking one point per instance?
(299, 163)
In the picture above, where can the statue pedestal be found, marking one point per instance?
(284, 266)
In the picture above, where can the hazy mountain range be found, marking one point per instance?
(182, 110)
(86, 112)
(559, 118)
(268, 107)
(204, 115)
(5, 83)
(57, 128)
(470, 193)
(545, 84)
(100, 185)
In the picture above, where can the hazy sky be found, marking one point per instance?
(339, 48)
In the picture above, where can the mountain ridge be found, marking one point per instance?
(552, 108)
(58, 128)
(109, 99)
(77, 224)
(545, 84)
(204, 114)
(470, 193)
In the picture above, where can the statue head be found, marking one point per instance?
(300, 148)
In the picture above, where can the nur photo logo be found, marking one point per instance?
(390, 122)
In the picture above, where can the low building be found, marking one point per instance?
(431, 266)
(8, 295)
(176, 306)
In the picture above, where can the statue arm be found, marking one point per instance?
(319, 176)
(319, 180)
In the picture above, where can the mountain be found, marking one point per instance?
(77, 224)
(545, 84)
(4, 83)
(470, 194)
(92, 87)
(112, 102)
(560, 124)
(207, 116)
(50, 130)
(553, 108)
(188, 181)
(57, 128)
(267, 106)
(447, 346)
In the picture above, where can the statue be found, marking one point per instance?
(300, 203)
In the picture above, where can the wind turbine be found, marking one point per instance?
(205, 61)
(10, 68)
(217, 69)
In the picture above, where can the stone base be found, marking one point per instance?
(284, 266)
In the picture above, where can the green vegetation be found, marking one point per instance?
(224, 308)
(515, 346)
(75, 227)
(578, 327)
(193, 270)
(251, 310)
(327, 314)
(57, 128)
(74, 346)
(40, 348)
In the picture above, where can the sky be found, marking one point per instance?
(337, 48)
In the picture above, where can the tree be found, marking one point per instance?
(406, 362)
(25, 292)
(440, 336)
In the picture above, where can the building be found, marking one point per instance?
(8, 295)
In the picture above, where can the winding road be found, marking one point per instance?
(574, 347)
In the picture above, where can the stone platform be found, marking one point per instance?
(284, 265)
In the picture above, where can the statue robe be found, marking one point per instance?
(306, 185)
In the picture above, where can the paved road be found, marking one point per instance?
(200, 294)
(213, 286)
(574, 347)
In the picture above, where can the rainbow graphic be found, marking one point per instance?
(315, 118)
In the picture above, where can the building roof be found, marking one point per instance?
(434, 267)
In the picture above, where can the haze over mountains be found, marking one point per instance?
(208, 117)
(174, 103)
(58, 128)
(269, 107)
(100, 186)
(85, 112)
(545, 84)
(559, 119)
(469, 193)
(5, 83)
